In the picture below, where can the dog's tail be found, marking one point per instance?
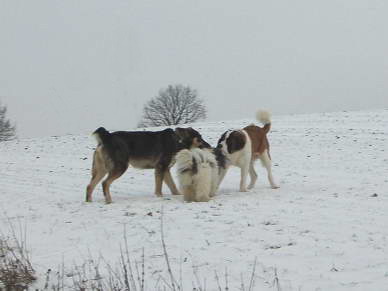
(101, 135)
(265, 118)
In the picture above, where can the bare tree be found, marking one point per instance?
(174, 105)
(7, 131)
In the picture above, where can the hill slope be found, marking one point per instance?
(326, 228)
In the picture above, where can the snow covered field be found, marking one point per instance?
(326, 228)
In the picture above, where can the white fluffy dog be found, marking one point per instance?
(197, 174)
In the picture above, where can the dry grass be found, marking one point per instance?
(127, 274)
(16, 271)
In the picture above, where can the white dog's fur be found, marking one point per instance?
(197, 174)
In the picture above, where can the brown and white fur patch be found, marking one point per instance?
(197, 172)
(243, 147)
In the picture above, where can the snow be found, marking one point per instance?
(326, 228)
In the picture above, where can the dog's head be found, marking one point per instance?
(231, 141)
(190, 138)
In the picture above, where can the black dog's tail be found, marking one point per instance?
(102, 135)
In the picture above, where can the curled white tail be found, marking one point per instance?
(263, 116)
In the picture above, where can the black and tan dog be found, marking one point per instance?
(140, 149)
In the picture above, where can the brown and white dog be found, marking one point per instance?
(140, 149)
(242, 148)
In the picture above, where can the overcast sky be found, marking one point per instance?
(70, 66)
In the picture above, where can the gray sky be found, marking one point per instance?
(70, 66)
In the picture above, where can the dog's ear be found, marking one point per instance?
(222, 138)
(235, 141)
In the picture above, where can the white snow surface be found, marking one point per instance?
(326, 228)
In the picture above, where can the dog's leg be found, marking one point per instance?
(203, 183)
(202, 198)
(113, 175)
(221, 176)
(98, 172)
(214, 182)
(170, 183)
(202, 191)
(244, 175)
(159, 175)
(93, 183)
(252, 174)
(188, 193)
(266, 161)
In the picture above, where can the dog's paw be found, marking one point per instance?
(243, 190)
(275, 187)
(158, 194)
